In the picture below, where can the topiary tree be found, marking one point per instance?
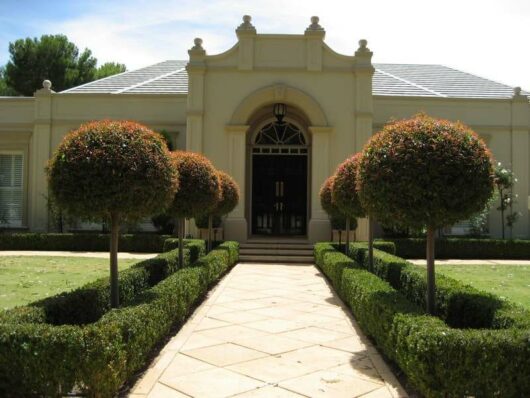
(425, 173)
(199, 192)
(344, 193)
(337, 219)
(112, 170)
(229, 200)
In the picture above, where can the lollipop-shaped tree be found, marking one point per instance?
(425, 173)
(344, 192)
(112, 170)
(199, 192)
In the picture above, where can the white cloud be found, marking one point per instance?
(485, 37)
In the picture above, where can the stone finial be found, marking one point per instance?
(314, 24)
(363, 46)
(516, 91)
(197, 44)
(47, 85)
(246, 25)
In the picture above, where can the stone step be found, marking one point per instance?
(271, 251)
(280, 245)
(256, 258)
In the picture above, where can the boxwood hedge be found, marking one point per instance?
(464, 248)
(439, 360)
(44, 356)
(141, 243)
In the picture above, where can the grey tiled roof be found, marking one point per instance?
(170, 77)
(435, 81)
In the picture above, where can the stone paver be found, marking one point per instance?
(124, 255)
(270, 330)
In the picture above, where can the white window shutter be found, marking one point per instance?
(11, 188)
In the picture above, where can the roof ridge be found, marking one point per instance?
(413, 84)
(477, 76)
(148, 81)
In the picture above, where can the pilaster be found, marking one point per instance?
(363, 112)
(520, 131)
(314, 37)
(246, 34)
(39, 156)
(235, 225)
(196, 69)
(319, 227)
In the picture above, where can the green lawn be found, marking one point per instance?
(507, 281)
(25, 279)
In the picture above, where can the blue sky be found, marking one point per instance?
(489, 38)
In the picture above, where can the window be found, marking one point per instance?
(11, 188)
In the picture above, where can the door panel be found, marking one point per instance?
(279, 195)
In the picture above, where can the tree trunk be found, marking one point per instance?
(431, 305)
(347, 245)
(181, 241)
(210, 221)
(370, 244)
(114, 236)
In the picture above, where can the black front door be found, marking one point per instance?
(279, 194)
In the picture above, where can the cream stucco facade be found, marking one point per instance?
(329, 96)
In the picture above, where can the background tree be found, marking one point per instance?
(5, 90)
(109, 69)
(504, 181)
(113, 170)
(51, 57)
(199, 191)
(424, 172)
(344, 193)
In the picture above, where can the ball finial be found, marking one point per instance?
(47, 84)
(363, 43)
(247, 19)
(517, 91)
(197, 41)
(315, 20)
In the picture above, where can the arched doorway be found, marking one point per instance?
(279, 164)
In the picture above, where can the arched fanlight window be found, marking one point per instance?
(280, 132)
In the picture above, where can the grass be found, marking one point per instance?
(25, 279)
(511, 282)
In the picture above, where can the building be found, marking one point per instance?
(227, 105)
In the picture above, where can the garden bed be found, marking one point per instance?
(477, 345)
(74, 340)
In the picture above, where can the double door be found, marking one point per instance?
(279, 195)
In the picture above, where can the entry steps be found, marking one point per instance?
(276, 251)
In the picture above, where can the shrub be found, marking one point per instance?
(425, 172)
(344, 191)
(438, 360)
(141, 243)
(42, 359)
(112, 170)
(465, 248)
(459, 305)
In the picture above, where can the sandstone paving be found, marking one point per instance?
(269, 330)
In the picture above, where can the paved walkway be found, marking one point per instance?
(269, 330)
(141, 256)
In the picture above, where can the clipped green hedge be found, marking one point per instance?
(42, 359)
(464, 248)
(141, 243)
(438, 360)
(458, 304)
